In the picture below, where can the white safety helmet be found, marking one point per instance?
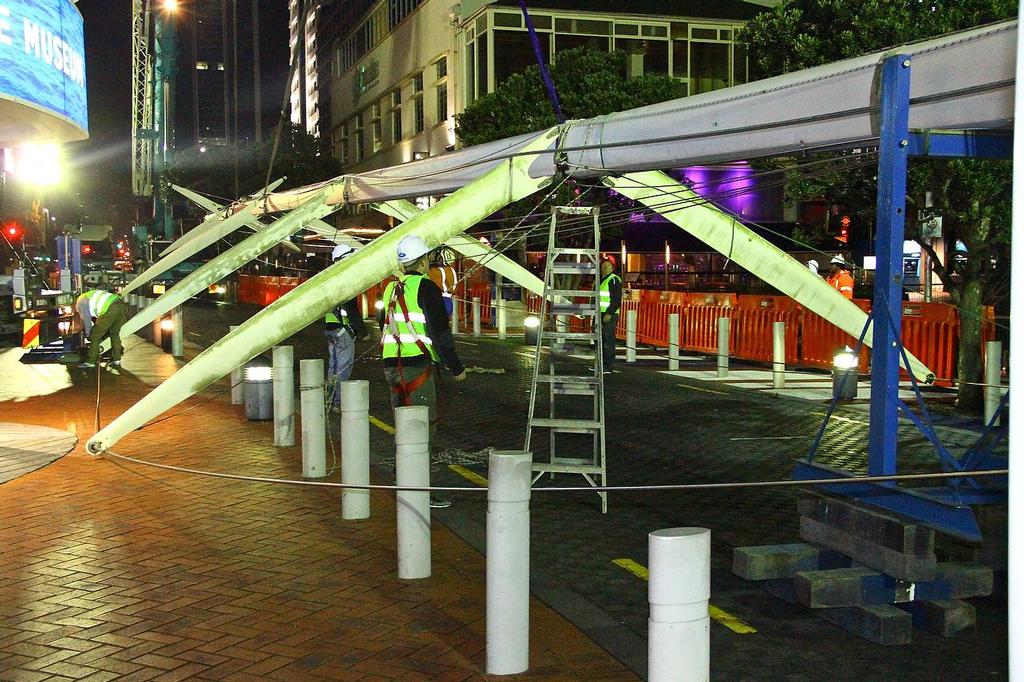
(812, 265)
(411, 249)
(342, 251)
(838, 260)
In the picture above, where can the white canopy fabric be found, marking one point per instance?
(962, 81)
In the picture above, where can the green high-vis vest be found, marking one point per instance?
(606, 292)
(402, 337)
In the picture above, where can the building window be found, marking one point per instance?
(516, 50)
(378, 129)
(396, 116)
(417, 84)
(418, 114)
(341, 144)
(360, 141)
(442, 102)
(441, 67)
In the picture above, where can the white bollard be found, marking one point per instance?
(678, 636)
(455, 315)
(177, 333)
(412, 468)
(993, 377)
(364, 305)
(476, 316)
(158, 333)
(314, 419)
(284, 396)
(508, 562)
(778, 355)
(630, 336)
(673, 341)
(499, 313)
(355, 448)
(723, 347)
(561, 324)
(237, 380)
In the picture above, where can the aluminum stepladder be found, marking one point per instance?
(557, 305)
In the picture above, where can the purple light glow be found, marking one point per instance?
(729, 186)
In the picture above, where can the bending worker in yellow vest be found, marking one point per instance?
(102, 314)
(416, 335)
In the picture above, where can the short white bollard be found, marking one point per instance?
(673, 341)
(158, 333)
(678, 635)
(177, 333)
(237, 380)
(508, 562)
(778, 355)
(284, 396)
(723, 347)
(412, 468)
(499, 313)
(993, 377)
(364, 306)
(561, 324)
(476, 316)
(355, 448)
(455, 315)
(314, 419)
(630, 336)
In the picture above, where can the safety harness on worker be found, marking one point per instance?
(406, 333)
(606, 292)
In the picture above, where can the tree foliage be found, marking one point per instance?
(589, 83)
(971, 196)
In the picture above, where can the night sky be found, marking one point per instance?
(101, 166)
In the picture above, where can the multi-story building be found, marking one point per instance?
(219, 75)
(402, 69)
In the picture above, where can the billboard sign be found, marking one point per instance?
(42, 49)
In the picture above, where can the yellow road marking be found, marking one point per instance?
(702, 390)
(718, 615)
(383, 426)
(469, 475)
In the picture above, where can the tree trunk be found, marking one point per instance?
(970, 374)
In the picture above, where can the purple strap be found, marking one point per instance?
(544, 73)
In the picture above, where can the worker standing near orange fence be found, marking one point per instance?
(840, 278)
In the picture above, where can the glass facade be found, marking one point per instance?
(700, 55)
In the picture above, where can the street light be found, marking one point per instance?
(170, 5)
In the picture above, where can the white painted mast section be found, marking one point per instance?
(1015, 557)
(508, 182)
(216, 211)
(209, 235)
(683, 207)
(224, 264)
(471, 248)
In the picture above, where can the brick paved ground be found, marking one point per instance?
(658, 432)
(115, 571)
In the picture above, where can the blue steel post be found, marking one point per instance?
(892, 189)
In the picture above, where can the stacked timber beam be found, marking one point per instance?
(868, 572)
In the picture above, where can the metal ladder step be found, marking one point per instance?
(570, 336)
(573, 268)
(566, 379)
(567, 425)
(593, 253)
(573, 308)
(583, 468)
(567, 293)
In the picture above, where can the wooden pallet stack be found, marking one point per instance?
(869, 572)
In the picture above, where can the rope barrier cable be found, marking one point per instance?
(786, 483)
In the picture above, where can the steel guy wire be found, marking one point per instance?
(786, 483)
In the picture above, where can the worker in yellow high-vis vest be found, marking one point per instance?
(102, 314)
(610, 291)
(416, 336)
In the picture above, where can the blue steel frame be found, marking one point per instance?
(943, 508)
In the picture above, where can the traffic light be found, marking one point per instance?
(844, 229)
(86, 249)
(13, 232)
